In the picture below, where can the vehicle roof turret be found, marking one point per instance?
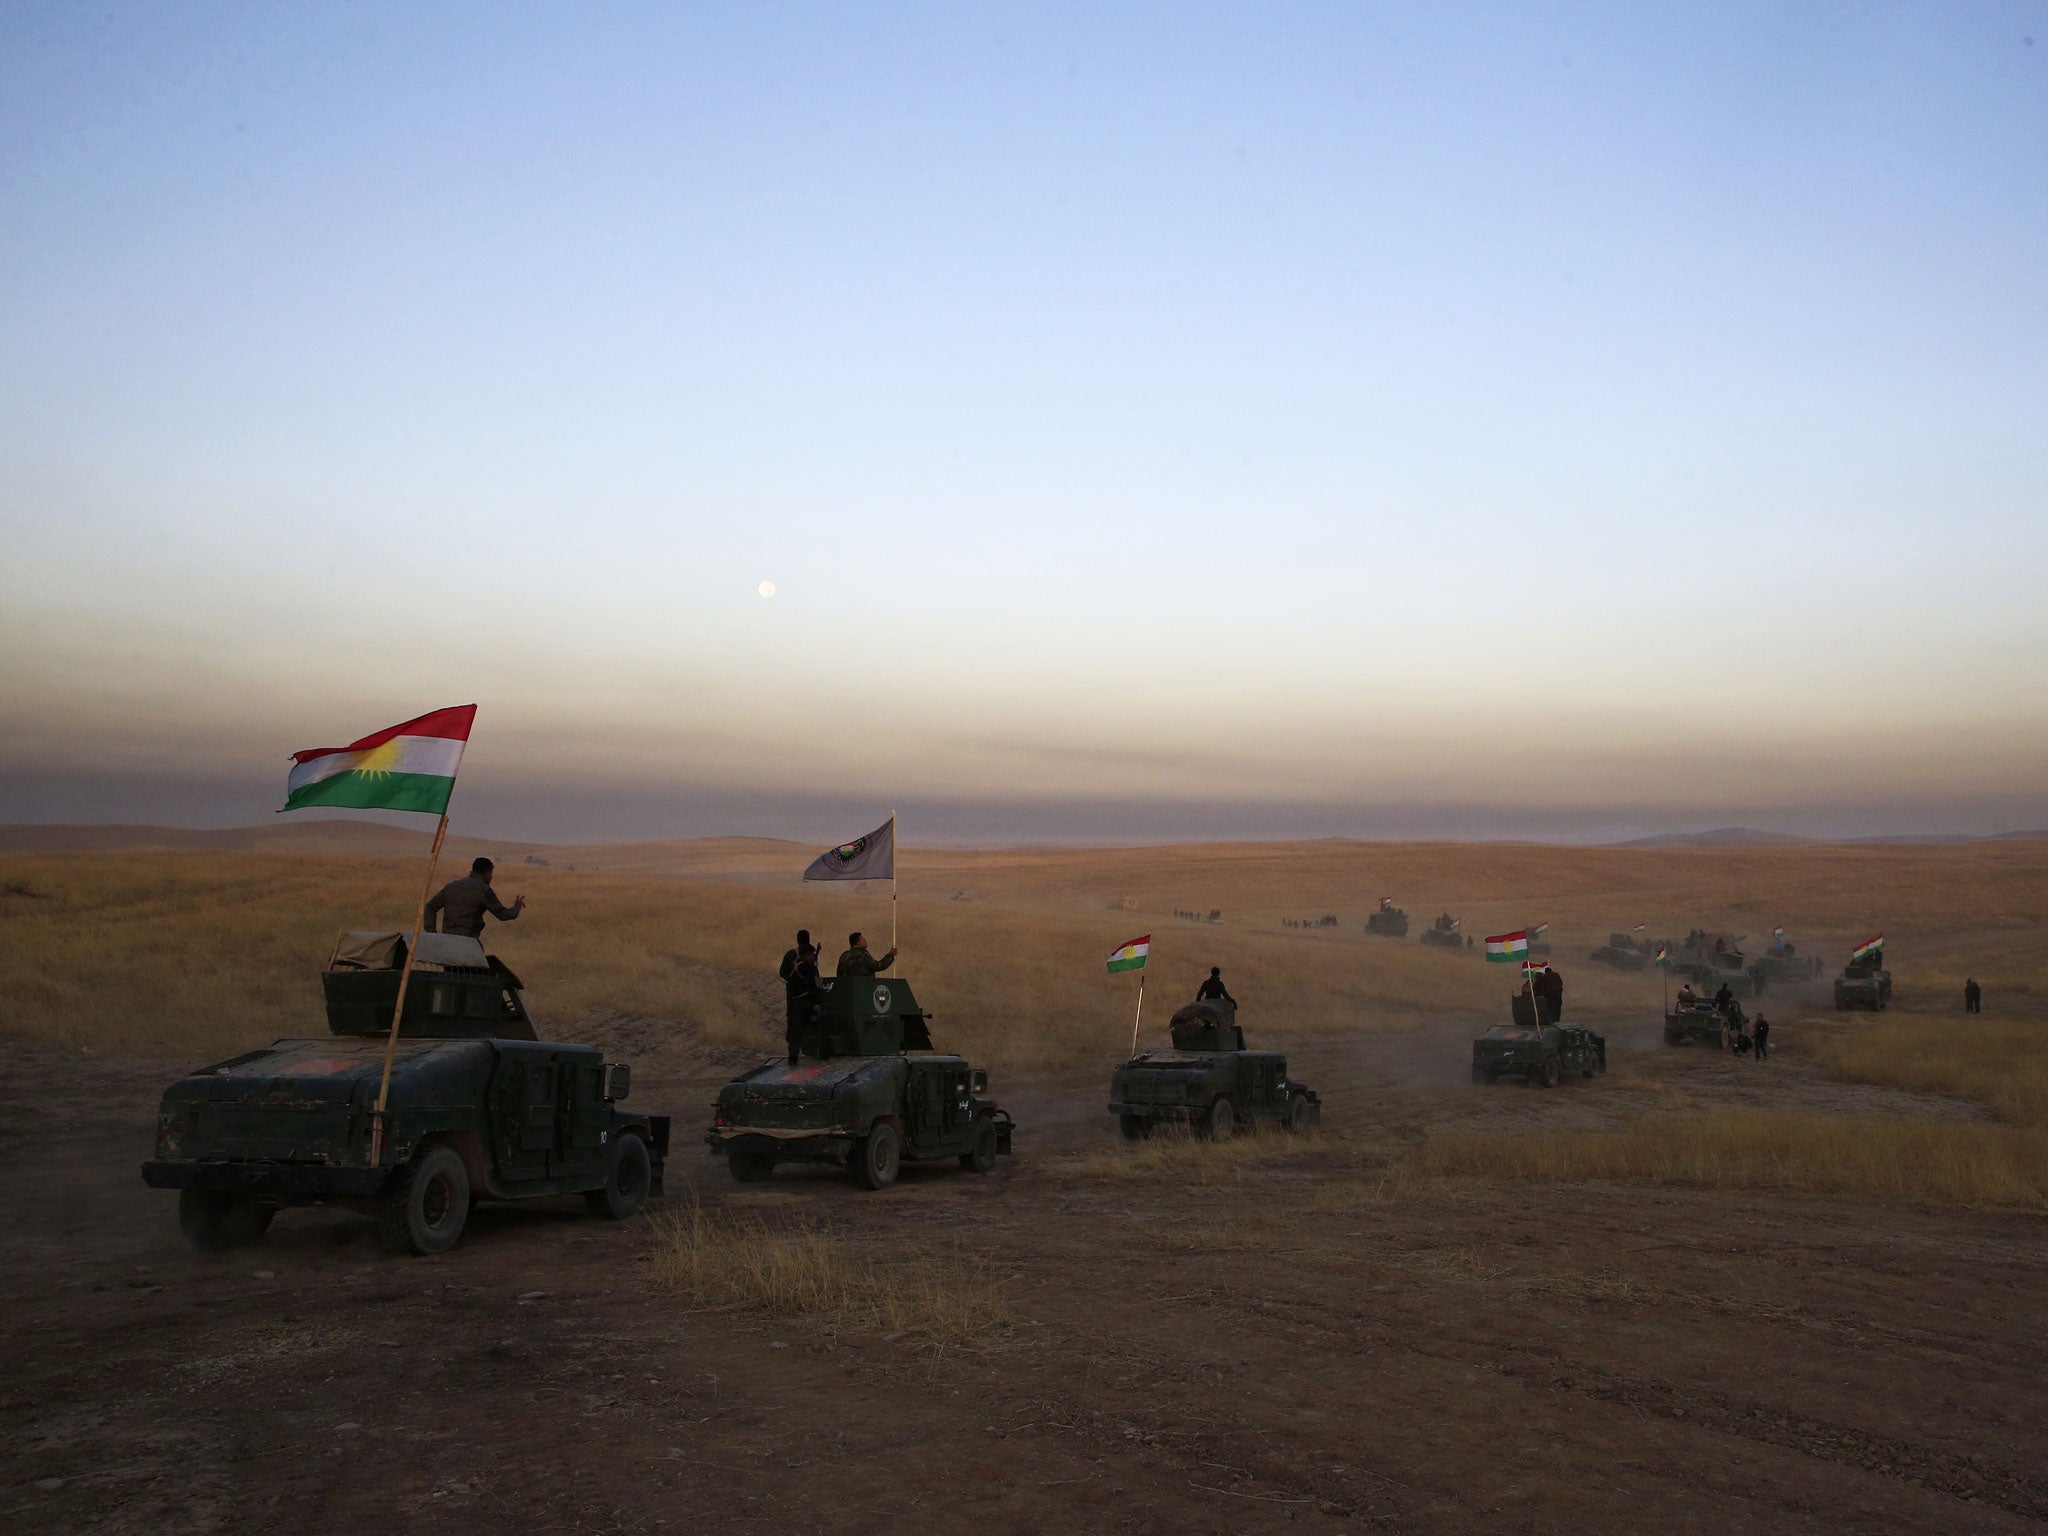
(868, 1016)
(455, 992)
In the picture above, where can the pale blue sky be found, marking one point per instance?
(1201, 407)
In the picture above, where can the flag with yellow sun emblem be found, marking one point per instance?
(409, 767)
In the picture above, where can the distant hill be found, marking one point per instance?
(1720, 837)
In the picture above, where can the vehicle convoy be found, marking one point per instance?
(478, 1109)
(867, 1092)
(1209, 1081)
(1864, 984)
(1536, 1048)
(1622, 952)
(1700, 1021)
(1389, 922)
(1782, 962)
(1443, 933)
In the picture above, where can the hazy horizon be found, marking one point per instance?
(1509, 421)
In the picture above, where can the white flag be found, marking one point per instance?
(865, 858)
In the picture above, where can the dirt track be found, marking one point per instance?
(1306, 1345)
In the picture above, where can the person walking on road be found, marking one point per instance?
(1763, 1037)
(1973, 996)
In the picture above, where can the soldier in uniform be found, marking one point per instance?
(858, 962)
(800, 994)
(460, 905)
(1213, 988)
(1973, 996)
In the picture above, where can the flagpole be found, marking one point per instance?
(419, 921)
(1141, 1013)
(895, 848)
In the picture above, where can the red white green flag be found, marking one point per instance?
(1537, 931)
(1532, 967)
(1663, 954)
(405, 767)
(1506, 948)
(1131, 956)
(1866, 949)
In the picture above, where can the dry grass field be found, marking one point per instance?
(1801, 1295)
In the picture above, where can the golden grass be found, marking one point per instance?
(799, 1270)
(2001, 1063)
(1942, 1161)
(1176, 1154)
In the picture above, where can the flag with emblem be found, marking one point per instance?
(865, 858)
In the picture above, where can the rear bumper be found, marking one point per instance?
(316, 1179)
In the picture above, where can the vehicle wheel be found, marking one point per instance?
(980, 1155)
(1301, 1115)
(878, 1157)
(629, 1173)
(214, 1220)
(1134, 1127)
(426, 1203)
(748, 1167)
(1551, 1073)
(1221, 1121)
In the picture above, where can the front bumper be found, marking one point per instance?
(316, 1180)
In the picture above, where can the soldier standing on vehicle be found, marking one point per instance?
(800, 994)
(791, 956)
(1213, 988)
(1724, 999)
(1763, 1037)
(1973, 996)
(858, 962)
(1551, 985)
(460, 905)
(1685, 997)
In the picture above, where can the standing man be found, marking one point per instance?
(1763, 1037)
(799, 992)
(1551, 985)
(460, 905)
(1973, 996)
(791, 956)
(858, 962)
(1213, 989)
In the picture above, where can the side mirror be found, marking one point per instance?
(621, 1082)
(981, 1082)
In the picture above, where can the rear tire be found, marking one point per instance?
(1551, 1074)
(1221, 1121)
(980, 1156)
(748, 1167)
(1134, 1127)
(1301, 1115)
(214, 1221)
(425, 1205)
(629, 1174)
(877, 1157)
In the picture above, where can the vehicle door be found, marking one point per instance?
(924, 1110)
(523, 1109)
(581, 1115)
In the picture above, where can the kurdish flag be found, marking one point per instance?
(1537, 931)
(1778, 932)
(1866, 949)
(408, 767)
(1534, 967)
(1508, 947)
(1131, 956)
(1663, 954)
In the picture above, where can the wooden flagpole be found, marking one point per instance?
(1140, 1015)
(419, 921)
(894, 850)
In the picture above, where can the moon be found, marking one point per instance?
(767, 589)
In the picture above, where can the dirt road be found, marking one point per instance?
(1306, 1343)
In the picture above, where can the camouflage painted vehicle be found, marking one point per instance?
(1536, 1048)
(479, 1109)
(1782, 962)
(868, 1093)
(1209, 1081)
(1443, 933)
(1622, 952)
(1389, 922)
(1864, 984)
(1700, 1022)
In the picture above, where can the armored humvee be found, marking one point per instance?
(1711, 962)
(1864, 984)
(859, 1096)
(1622, 952)
(1389, 922)
(1209, 1081)
(479, 1109)
(1444, 932)
(1783, 962)
(1536, 1048)
(1702, 1022)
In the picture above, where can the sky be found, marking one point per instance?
(1156, 421)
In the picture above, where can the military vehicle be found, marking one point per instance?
(1864, 984)
(1698, 1021)
(479, 1109)
(1710, 961)
(1535, 1047)
(1389, 922)
(1209, 1081)
(867, 1092)
(1622, 952)
(1443, 932)
(1783, 962)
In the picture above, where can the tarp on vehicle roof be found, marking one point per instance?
(365, 951)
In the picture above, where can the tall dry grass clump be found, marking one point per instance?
(797, 1269)
(2001, 1063)
(1963, 1164)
